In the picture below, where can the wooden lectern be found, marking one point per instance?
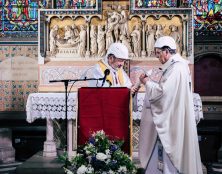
(107, 109)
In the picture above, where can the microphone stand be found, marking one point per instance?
(66, 83)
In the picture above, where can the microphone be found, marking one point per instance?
(110, 84)
(106, 73)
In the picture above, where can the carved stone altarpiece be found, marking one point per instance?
(73, 36)
(71, 41)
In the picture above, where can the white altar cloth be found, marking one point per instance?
(197, 107)
(50, 105)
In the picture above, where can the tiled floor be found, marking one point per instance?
(39, 165)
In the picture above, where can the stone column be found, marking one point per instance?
(47, 29)
(88, 40)
(143, 40)
(7, 152)
(184, 45)
(72, 138)
(49, 145)
(46, 36)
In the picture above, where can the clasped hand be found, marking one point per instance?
(142, 80)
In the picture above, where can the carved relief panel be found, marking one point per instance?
(83, 37)
(88, 36)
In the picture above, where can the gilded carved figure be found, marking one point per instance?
(101, 41)
(53, 36)
(75, 30)
(93, 40)
(150, 39)
(68, 33)
(136, 40)
(109, 31)
(126, 42)
(124, 29)
(82, 41)
(159, 31)
(176, 36)
(116, 19)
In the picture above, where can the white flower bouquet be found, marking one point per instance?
(100, 156)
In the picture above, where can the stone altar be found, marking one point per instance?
(70, 42)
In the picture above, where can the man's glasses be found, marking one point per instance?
(157, 53)
(118, 59)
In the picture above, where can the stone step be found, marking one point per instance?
(9, 168)
(38, 164)
(10, 164)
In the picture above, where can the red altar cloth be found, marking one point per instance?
(105, 109)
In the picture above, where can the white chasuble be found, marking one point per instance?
(117, 77)
(168, 112)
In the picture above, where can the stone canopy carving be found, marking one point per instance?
(82, 37)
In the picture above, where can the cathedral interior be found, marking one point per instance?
(43, 40)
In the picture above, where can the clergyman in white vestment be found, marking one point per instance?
(168, 141)
(114, 60)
